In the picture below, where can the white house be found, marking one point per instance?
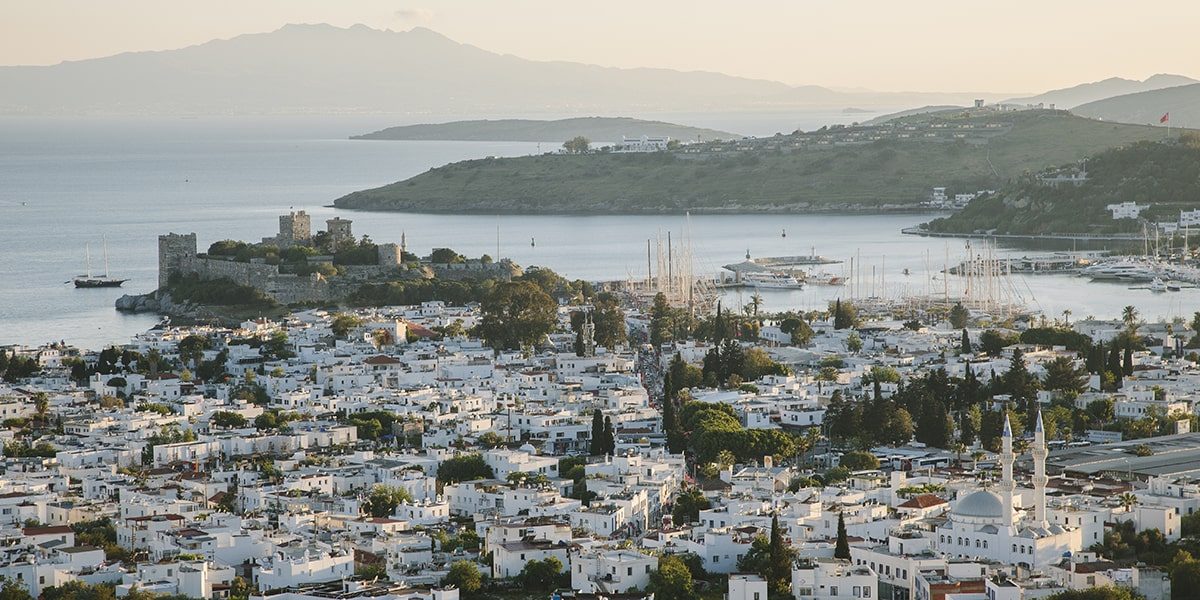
(1126, 210)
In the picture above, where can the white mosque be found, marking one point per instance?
(986, 525)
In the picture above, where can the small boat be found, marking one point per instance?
(825, 279)
(1173, 287)
(784, 233)
(907, 272)
(1158, 286)
(87, 280)
(532, 243)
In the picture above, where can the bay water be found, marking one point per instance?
(68, 182)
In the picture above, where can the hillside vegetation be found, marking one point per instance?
(867, 167)
(1183, 102)
(1165, 175)
(597, 129)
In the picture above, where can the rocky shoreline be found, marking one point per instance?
(161, 303)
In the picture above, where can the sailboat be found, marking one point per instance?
(89, 281)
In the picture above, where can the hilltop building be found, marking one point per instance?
(643, 144)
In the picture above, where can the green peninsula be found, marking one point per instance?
(1161, 177)
(597, 129)
(870, 167)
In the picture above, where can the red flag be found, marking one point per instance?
(1166, 117)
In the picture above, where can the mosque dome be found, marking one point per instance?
(982, 504)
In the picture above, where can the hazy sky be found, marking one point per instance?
(927, 45)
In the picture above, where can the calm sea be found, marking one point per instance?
(65, 183)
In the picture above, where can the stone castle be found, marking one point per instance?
(178, 254)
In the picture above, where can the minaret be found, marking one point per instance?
(1039, 471)
(1007, 485)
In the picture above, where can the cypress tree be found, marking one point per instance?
(1127, 364)
(610, 441)
(579, 343)
(597, 446)
(780, 569)
(966, 342)
(1114, 364)
(842, 549)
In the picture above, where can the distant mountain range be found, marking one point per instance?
(322, 69)
(1183, 102)
(1098, 90)
(596, 129)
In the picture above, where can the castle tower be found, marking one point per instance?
(1040, 479)
(339, 231)
(174, 251)
(295, 228)
(389, 255)
(1008, 485)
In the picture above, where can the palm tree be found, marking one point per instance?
(976, 456)
(1067, 317)
(1130, 316)
(756, 302)
(1127, 500)
(959, 448)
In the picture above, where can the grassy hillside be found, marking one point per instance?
(1182, 102)
(1164, 175)
(869, 167)
(597, 129)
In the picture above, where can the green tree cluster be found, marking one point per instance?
(464, 467)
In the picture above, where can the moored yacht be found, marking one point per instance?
(771, 280)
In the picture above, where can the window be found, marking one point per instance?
(833, 591)
(647, 568)
(756, 596)
(629, 571)
(857, 591)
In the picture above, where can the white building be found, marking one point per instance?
(831, 579)
(1189, 218)
(984, 524)
(747, 587)
(611, 571)
(1126, 210)
(643, 144)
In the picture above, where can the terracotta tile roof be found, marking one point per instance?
(923, 501)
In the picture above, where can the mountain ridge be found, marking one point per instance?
(320, 68)
(1083, 93)
(1182, 102)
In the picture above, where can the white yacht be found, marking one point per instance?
(1158, 285)
(1120, 271)
(771, 280)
